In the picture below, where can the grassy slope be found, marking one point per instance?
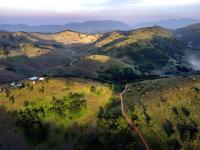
(58, 88)
(89, 66)
(27, 49)
(145, 48)
(167, 111)
(190, 34)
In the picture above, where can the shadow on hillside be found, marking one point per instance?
(30, 137)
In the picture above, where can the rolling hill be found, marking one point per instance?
(169, 24)
(146, 51)
(190, 34)
(81, 114)
(32, 118)
(147, 48)
(166, 111)
(27, 54)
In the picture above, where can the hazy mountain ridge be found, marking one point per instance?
(169, 24)
(190, 34)
(148, 50)
(86, 27)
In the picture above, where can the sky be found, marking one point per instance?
(64, 11)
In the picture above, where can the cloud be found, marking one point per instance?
(52, 5)
(87, 5)
(152, 3)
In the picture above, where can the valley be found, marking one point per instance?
(119, 90)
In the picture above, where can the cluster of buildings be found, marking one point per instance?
(32, 79)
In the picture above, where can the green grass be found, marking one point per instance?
(167, 111)
(55, 105)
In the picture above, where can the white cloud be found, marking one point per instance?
(81, 5)
(52, 5)
(167, 2)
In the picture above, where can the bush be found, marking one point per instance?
(93, 89)
(168, 127)
(30, 122)
(77, 102)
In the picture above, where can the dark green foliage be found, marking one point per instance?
(77, 102)
(174, 144)
(119, 75)
(187, 131)
(118, 88)
(155, 53)
(174, 109)
(93, 89)
(185, 111)
(114, 133)
(168, 127)
(112, 110)
(134, 117)
(30, 122)
(58, 107)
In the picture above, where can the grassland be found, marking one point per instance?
(55, 105)
(167, 110)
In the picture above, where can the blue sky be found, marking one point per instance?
(64, 11)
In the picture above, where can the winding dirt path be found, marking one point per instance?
(130, 122)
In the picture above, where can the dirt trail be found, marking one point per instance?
(130, 123)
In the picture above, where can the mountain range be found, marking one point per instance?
(77, 104)
(98, 26)
(87, 27)
(169, 24)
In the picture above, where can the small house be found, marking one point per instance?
(33, 78)
(41, 79)
(19, 85)
(12, 83)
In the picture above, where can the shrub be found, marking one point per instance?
(30, 122)
(185, 111)
(168, 127)
(77, 102)
(93, 89)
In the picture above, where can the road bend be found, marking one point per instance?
(130, 122)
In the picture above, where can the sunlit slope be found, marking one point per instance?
(148, 48)
(46, 112)
(91, 66)
(167, 111)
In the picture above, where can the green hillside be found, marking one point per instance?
(147, 48)
(191, 35)
(40, 116)
(166, 111)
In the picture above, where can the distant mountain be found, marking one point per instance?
(170, 24)
(87, 27)
(98, 26)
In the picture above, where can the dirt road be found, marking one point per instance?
(130, 122)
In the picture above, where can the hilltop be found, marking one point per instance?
(147, 48)
(190, 34)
